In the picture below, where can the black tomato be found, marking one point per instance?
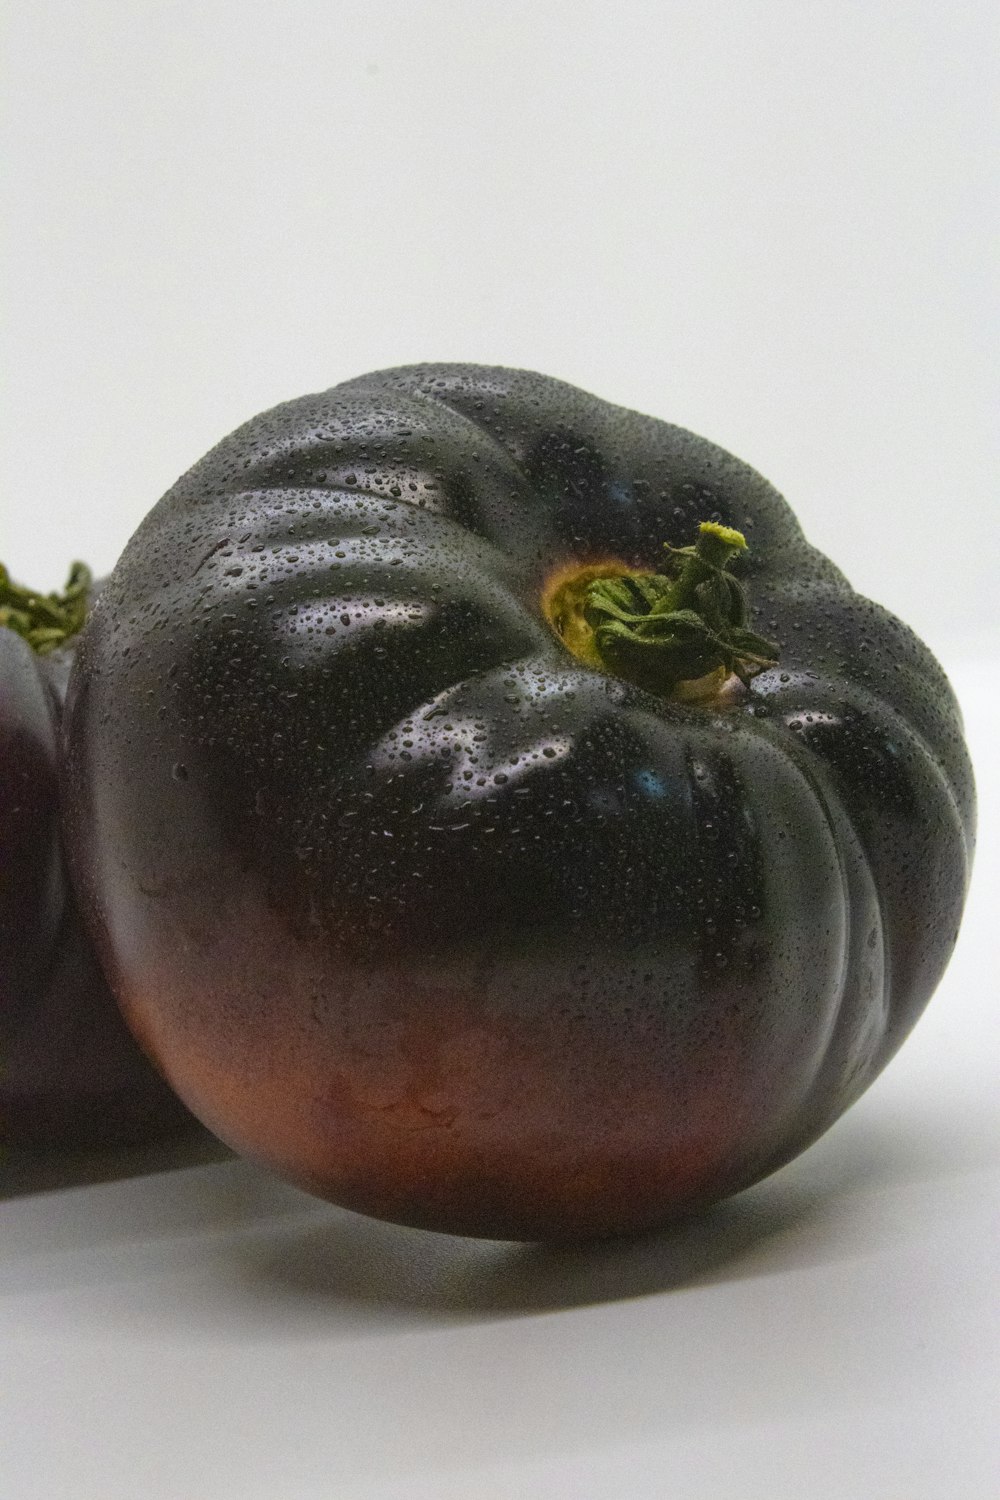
(474, 860)
(71, 1074)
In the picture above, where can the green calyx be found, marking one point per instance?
(45, 621)
(664, 630)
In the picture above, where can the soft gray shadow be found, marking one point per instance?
(25, 1172)
(366, 1263)
(796, 1218)
(227, 1248)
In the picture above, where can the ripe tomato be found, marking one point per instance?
(71, 1075)
(422, 885)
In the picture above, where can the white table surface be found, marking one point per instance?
(832, 1334)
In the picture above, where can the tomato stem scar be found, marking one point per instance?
(681, 632)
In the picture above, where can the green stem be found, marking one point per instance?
(660, 630)
(45, 621)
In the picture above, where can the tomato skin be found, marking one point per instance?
(444, 925)
(71, 1075)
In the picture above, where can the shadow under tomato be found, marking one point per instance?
(805, 1215)
(430, 1276)
(24, 1172)
(226, 1250)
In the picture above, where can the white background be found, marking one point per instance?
(771, 221)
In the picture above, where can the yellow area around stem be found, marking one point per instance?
(563, 597)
